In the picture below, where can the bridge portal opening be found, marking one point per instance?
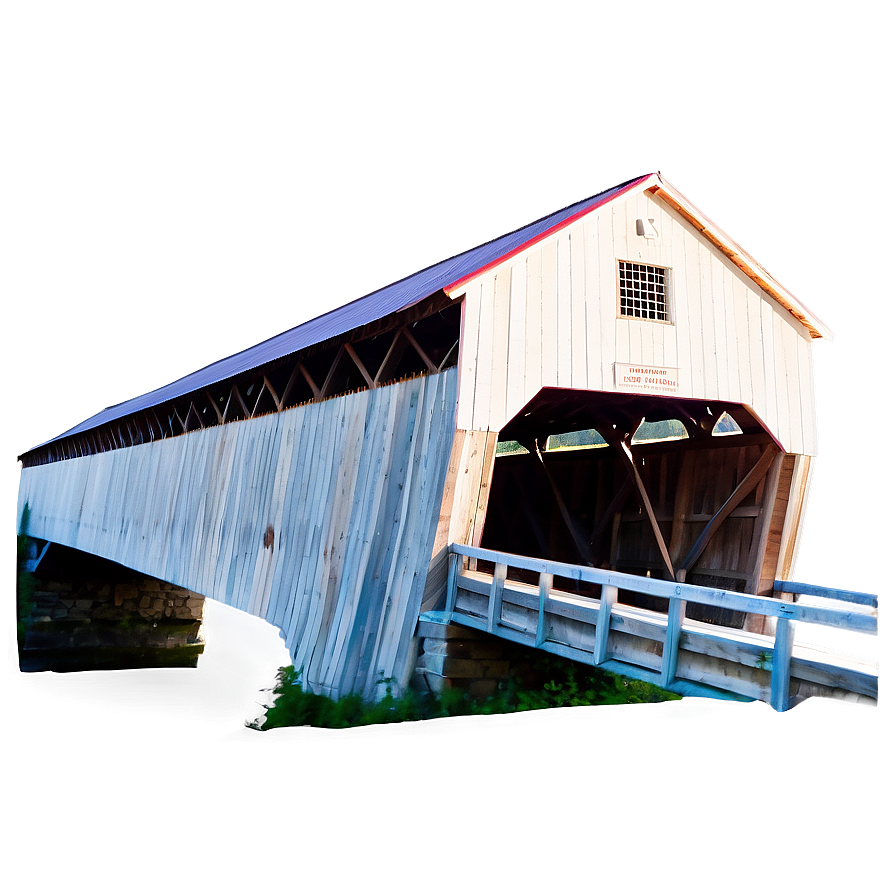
(680, 489)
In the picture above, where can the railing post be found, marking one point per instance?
(608, 596)
(496, 595)
(670, 645)
(545, 583)
(454, 561)
(783, 653)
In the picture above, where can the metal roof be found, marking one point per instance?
(450, 275)
(396, 297)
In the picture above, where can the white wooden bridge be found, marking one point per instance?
(634, 403)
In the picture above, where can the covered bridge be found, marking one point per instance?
(617, 386)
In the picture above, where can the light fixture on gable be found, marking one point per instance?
(646, 228)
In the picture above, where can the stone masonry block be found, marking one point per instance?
(437, 646)
(449, 667)
(125, 593)
(430, 662)
(58, 586)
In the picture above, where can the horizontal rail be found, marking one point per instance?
(850, 620)
(853, 597)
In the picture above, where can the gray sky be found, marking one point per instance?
(182, 180)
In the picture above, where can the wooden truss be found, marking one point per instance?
(677, 558)
(423, 340)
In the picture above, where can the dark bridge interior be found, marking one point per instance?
(680, 489)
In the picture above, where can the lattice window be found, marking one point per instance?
(642, 291)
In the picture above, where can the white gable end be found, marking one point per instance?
(551, 317)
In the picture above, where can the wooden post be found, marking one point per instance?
(626, 453)
(545, 583)
(670, 645)
(783, 653)
(608, 595)
(496, 595)
(453, 568)
(488, 449)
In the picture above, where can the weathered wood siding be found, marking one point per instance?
(349, 487)
(549, 318)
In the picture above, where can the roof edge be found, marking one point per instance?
(656, 184)
(455, 289)
(817, 328)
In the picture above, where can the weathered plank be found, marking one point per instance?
(349, 488)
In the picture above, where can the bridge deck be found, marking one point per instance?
(669, 650)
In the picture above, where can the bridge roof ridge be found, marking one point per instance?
(397, 296)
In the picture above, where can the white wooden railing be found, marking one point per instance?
(863, 618)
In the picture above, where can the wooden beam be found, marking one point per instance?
(782, 655)
(626, 452)
(315, 391)
(391, 359)
(214, 404)
(350, 351)
(448, 354)
(227, 403)
(608, 597)
(197, 414)
(440, 561)
(578, 538)
(258, 398)
(746, 485)
(761, 577)
(454, 561)
(417, 347)
(239, 398)
(485, 482)
(281, 404)
(271, 389)
(853, 597)
(325, 388)
(545, 583)
(495, 596)
(670, 642)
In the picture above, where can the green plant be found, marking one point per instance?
(564, 684)
(25, 581)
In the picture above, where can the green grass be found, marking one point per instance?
(565, 683)
(25, 581)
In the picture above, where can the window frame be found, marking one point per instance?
(668, 320)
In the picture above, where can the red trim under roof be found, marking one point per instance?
(580, 213)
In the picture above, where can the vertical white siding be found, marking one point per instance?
(351, 487)
(550, 318)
